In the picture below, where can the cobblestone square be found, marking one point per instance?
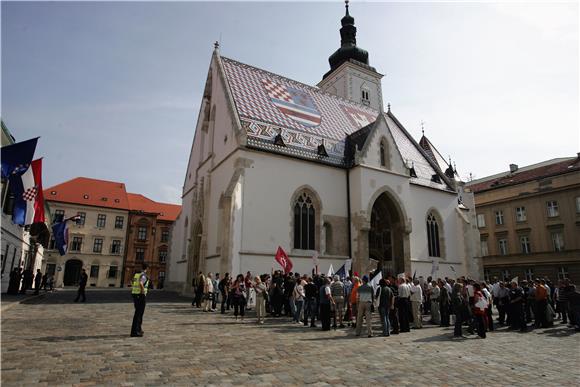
(52, 341)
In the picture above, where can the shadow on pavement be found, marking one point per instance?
(106, 296)
(559, 332)
(53, 339)
(440, 338)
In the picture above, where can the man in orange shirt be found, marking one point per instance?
(541, 295)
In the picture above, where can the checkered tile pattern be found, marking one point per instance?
(276, 91)
(30, 194)
(251, 88)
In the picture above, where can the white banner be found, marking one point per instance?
(330, 271)
(375, 281)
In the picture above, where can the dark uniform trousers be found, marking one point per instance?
(139, 303)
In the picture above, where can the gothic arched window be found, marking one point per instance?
(433, 236)
(382, 154)
(304, 222)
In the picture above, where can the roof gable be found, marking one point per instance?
(370, 153)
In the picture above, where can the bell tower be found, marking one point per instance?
(350, 76)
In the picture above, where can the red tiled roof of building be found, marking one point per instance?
(89, 192)
(527, 174)
(166, 211)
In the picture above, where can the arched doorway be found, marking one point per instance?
(72, 272)
(386, 236)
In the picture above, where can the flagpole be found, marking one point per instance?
(6, 190)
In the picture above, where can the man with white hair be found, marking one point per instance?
(416, 301)
(337, 292)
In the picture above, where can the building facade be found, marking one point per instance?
(148, 238)
(529, 220)
(318, 171)
(99, 241)
(96, 242)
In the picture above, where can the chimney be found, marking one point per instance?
(513, 168)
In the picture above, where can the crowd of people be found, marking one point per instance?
(402, 302)
(21, 280)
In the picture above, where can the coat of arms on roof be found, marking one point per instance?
(294, 103)
(357, 117)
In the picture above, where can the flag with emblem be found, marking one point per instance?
(16, 157)
(293, 102)
(283, 260)
(28, 196)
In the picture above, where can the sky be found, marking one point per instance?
(113, 89)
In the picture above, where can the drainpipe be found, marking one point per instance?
(348, 212)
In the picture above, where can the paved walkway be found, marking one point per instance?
(52, 341)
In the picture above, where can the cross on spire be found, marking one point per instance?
(422, 127)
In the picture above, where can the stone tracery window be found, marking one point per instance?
(433, 236)
(382, 150)
(304, 222)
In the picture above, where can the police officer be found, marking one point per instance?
(139, 292)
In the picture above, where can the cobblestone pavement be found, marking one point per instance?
(52, 341)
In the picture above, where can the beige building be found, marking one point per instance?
(97, 240)
(529, 220)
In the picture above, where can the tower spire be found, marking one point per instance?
(348, 48)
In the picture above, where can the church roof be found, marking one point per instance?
(269, 104)
(433, 153)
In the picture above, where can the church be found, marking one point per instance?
(321, 171)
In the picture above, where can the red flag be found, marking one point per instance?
(283, 260)
(39, 202)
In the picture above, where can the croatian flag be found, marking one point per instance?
(293, 102)
(28, 196)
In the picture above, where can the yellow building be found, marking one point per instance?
(529, 220)
(96, 242)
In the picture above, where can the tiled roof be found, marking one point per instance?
(433, 153)
(108, 194)
(89, 192)
(254, 92)
(544, 170)
(165, 211)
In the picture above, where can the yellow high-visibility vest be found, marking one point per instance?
(136, 289)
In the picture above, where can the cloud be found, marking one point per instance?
(170, 194)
